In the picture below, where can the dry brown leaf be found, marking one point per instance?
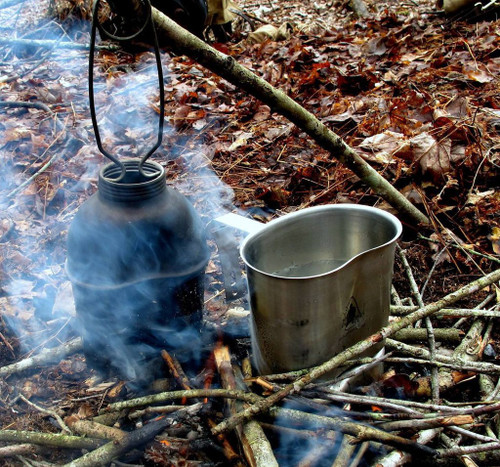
(436, 158)
(384, 146)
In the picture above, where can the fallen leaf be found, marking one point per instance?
(241, 140)
(435, 158)
(382, 147)
(495, 239)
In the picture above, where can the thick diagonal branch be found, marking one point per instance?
(183, 42)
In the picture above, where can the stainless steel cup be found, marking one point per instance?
(319, 281)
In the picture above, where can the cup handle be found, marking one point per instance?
(222, 232)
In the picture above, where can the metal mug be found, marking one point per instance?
(319, 281)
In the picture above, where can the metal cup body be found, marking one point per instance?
(319, 281)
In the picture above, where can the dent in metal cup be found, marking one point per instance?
(319, 281)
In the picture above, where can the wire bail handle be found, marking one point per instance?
(147, 22)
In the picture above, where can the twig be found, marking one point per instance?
(166, 396)
(427, 423)
(45, 357)
(479, 367)
(94, 429)
(459, 451)
(50, 44)
(314, 455)
(404, 406)
(176, 369)
(461, 247)
(397, 458)
(437, 363)
(359, 431)
(231, 455)
(346, 450)
(18, 449)
(106, 453)
(449, 312)
(164, 409)
(42, 169)
(428, 324)
(342, 382)
(256, 446)
(449, 335)
(25, 105)
(178, 373)
(356, 350)
(49, 439)
(471, 434)
(47, 411)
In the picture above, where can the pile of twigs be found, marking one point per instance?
(392, 420)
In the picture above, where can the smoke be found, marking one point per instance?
(126, 323)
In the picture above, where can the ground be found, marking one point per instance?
(413, 91)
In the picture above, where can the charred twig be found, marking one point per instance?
(176, 370)
(45, 357)
(356, 350)
(231, 455)
(256, 447)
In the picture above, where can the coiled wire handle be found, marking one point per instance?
(148, 21)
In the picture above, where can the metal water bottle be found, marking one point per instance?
(136, 258)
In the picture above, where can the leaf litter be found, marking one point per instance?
(414, 92)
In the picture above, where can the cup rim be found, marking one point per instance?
(287, 218)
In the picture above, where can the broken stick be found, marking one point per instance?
(45, 357)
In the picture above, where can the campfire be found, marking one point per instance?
(140, 326)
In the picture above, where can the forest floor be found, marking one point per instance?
(414, 92)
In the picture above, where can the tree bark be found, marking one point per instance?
(183, 42)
